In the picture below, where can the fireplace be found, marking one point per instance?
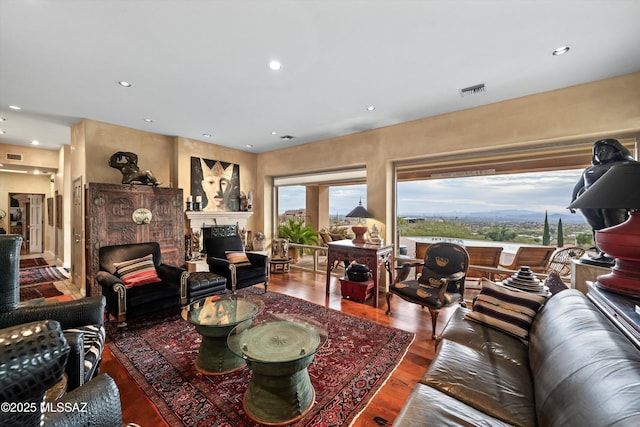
(201, 222)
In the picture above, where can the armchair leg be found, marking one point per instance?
(388, 296)
(434, 321)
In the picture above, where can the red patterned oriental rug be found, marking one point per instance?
(42, 290)
(33, 263)
(159, 351)
(33, 276)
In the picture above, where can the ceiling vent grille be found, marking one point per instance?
(472, 90)
(11, 156)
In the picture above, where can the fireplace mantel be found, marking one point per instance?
(196, 220)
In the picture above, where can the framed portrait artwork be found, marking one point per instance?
(216, 183)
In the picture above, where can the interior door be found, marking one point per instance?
(77, 227)
(35, 223)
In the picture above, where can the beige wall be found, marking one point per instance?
(28, 184)
(31, 157)
(155, 152)
(586, 112)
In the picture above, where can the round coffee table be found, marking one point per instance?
(278, 349)
(215, 317)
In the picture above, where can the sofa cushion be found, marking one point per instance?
(481, 337)
(136, 272)
(587, 373)
(427, 406)
(492, 385)
(239, 258)
(509, 310)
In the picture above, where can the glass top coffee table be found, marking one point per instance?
(278, 349)
(214, 317)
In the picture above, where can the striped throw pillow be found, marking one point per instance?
(510, 311)
(238, 258)
(136, 272)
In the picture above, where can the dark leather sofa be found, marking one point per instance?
(577, 370)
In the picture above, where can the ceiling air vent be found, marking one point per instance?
(287, 137)
(14, 157)
(472, 90)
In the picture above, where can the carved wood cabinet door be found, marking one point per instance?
(119, 214)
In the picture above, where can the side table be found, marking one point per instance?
(278, 348)
(197, 266)
(279, 265)
(373, 256)
(357, 291)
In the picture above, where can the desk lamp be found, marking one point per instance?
(359, 229)
(618, 188)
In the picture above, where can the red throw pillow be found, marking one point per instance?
(136, 272)
(238, 258)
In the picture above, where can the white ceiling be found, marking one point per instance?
(200, 66)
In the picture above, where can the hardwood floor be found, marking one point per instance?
(311, 287)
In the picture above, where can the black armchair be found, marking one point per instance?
(441, 283)
(133, 285)
(224, 256)
(32, 361)
(81, 320)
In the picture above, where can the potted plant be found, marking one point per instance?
(297, 232)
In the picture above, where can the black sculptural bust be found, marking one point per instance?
(606, 154)
(127, 163)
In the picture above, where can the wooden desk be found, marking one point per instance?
(370, 255)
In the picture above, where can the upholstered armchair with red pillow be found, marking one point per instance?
(135, 281)
(226, 256)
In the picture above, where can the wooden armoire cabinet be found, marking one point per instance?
(118, 214)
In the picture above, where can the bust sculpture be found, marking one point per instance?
(606, 154)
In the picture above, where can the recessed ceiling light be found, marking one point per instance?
(148, 120)
(249, 145)
(2, 119)
(1, 131)
(275, 65)
(206, 135)
(561, 50)
(274, 133)
(35, 142)
(124, 84)
(15, 107)
(371, 108)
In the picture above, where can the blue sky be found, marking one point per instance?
(538, 191)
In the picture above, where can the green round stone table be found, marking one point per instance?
(214, 317)
(278, 349)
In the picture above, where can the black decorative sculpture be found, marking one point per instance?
(127, 163)
(606, 154)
